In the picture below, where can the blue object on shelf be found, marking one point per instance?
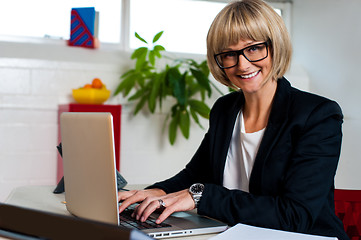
(82, 27)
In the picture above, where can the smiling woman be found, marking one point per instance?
(271, 151)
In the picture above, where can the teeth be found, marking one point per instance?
(249, 75)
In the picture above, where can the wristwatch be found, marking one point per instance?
(196, 191)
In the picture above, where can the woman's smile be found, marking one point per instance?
(250, 75)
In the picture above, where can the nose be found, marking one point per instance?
(243, 63)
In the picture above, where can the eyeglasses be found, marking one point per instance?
(253, 53)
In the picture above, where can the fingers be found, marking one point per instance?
(153, 199)
(129, 198)
(175, 202)
(143, 212)
(165, 214)
(136, 196)
(125, 195)
(147, 207)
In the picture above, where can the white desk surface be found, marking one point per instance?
(42, 198)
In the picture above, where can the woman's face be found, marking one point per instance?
(249, 76)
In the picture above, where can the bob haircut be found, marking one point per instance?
(254, 20)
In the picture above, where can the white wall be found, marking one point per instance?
(35, 81)
(35, 78)
(30, 91)
(326, 38)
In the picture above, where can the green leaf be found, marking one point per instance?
(174, 110)
(202, 79)
(162, 88)
(200, 107)
(129, 86)
(157, 90)
(203, 96)
(145, 73)
(140, 38)
(204, 67)
(177, 83)
(137, 95)
(154, 92)
(139, 52)
(124, 81)
(140, 104)
(157, 36)
(131, 71)
(157, 49)
(126, 84)
(151, 57)
(172, 130)
(184, 123)
(193, 89)
(193, 63)
(141, 61)
(195, 117)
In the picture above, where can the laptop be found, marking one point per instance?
(90, 178)
(29, 224)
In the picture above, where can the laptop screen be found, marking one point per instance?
(89, 165)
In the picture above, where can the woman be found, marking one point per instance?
(271, 151)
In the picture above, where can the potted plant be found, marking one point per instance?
(183, 80)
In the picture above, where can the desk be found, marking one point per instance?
(42, 198)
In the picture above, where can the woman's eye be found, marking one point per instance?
(229, 55)
(253, 48)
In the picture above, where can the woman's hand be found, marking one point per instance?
(130, 197)
(174, 202)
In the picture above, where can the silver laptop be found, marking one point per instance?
(90, 178)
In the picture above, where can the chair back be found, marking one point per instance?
(348, 209)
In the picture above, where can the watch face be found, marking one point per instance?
(197, 188)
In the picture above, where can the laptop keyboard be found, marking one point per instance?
(126, 220)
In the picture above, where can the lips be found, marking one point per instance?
(249, 75)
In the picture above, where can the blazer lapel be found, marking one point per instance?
(277, 120)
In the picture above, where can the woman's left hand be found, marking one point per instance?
(173, 202)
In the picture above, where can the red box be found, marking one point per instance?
(115, 110)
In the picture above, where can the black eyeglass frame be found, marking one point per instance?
(241, 52)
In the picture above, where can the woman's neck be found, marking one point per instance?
(257, 107)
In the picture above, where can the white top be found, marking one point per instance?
(242, 152)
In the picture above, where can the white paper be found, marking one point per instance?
(246, 232)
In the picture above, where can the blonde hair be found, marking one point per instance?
(254, 20)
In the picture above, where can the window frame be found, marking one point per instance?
(124, 44)
(286, 9)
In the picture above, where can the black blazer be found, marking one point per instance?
(292, 181)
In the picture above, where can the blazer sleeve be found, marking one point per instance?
(305, 186)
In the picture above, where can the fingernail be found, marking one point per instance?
(157, 221)
(142, 219)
